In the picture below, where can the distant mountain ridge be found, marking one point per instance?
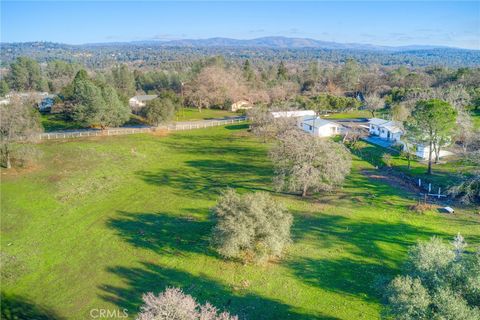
(272, 42)
(285, 43)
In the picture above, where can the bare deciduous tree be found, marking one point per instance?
(173, 304)
(304, 163)
(374, 103)
(465, 132)
(215, 86)
(353, 135)
(400, 112)
(265, 126)
(19, 124)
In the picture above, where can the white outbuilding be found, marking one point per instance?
(293, 114)
(386, 129)
(320, 127)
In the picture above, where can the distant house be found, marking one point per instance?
(47, 103)
(320, 127)
(241, 105)
(393, 130)
(137, 102)
(386, 129)
(42, 100)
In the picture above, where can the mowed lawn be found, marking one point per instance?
(99, 222)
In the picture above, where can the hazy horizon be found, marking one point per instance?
(446, 24)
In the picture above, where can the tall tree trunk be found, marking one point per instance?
(430, 151)
(6, 156)
(304, 191)
(437, 155)
(7, 160)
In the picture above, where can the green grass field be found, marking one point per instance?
(444, 174)
(56, 122)
(189, 114)
(98, 222)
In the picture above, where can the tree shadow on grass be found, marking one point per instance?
(241, 126)
(14, 307)
(361, 190)
(206, 178)
(367, 246)
(213, 144)
(155, 278)
(164, 233)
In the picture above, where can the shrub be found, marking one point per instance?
(173, 304)
(159, 110)
(440, 281)
(250, 227)
(422, 207)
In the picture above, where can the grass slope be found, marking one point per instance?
(55, 121)
(101, 221)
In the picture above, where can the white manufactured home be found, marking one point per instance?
(293, 114)
(320, 127)
(386, 129)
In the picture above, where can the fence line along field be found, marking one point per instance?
(122, 131)
(97, 223)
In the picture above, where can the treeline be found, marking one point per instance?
(155, 55)
(215, 82)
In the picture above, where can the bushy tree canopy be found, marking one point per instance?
(4, 88)
(26, 75)
(250, 227)
(332, 103)
(431, 123)
(95, 104)
(159, 110)
(440, 281)
(123, 80)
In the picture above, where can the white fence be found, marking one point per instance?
(123, 131)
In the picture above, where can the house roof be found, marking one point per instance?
(145, 97)
(377, 121)
(393, 126)
(319, 122)
(293, 113)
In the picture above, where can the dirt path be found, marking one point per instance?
(392, 180)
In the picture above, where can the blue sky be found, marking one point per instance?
(385, 23)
